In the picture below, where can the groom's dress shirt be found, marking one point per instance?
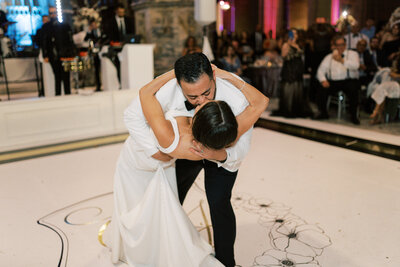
(171, 97)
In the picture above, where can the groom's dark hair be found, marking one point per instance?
(214, 125)
(190, 67)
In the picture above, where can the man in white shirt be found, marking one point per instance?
(195, 84)
(338, 71)
(354, 36)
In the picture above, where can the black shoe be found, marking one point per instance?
(355, 120)
(321, 116)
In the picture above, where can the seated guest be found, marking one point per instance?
(376, 52)
(230, 61)
(367, 67)
(191, 46)
(390, 44)
(369, 29)
(338, 71)
(386, 89)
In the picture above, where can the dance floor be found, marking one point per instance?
(297, 203)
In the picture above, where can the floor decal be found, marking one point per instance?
(294, 242)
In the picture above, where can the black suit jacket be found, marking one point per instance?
(112, 30)
(369, 63)
(57, 40)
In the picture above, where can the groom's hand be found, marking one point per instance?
(161, 156)
(206, 153)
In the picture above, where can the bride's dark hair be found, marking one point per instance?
(215, 125)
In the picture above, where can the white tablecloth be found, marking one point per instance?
(20, 69)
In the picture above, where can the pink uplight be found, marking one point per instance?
(270, 16)
(335, 11)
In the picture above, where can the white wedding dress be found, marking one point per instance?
(149, 226)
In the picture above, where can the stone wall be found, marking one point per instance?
(166, 24)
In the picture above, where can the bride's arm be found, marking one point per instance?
(153, 112)
(258, 102)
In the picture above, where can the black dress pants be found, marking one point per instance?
(60, 75)
(351, 87)
(97, 69)
(218, 184)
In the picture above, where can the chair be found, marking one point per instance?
(392, 109)
(340, 101)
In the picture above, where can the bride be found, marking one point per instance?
(150, 227)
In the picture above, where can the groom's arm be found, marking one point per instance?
(237, 153)
(228, 158)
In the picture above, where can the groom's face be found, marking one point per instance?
(200, 91)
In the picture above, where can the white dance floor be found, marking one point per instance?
(297, 203)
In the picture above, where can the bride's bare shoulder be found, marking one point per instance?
(182, 151)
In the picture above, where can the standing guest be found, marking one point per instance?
(390, 45)
(245, 51)
(58, 44)
(119, 26)
(320, 35)
(367, 67)
(94, 37)
(116, 29)
(38, 42)
(190, 46)
(339, 72)
(257, 40)
(291, 99)
(354, 36)
(369, 29)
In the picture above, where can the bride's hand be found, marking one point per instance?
(220, 73)
(206, 153)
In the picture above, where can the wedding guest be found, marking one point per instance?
(390, 45)
(339, 72)
(369, 29)
(58, 44)
(190, 46)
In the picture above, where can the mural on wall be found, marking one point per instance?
(168, 28)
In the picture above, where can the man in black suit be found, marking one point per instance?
(376, 52)
(257, 40)
(38, 42)
(116, 29)
(367, 67)
(119, 26)
(95, 39)
(58, 44)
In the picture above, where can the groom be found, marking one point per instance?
(195, 84)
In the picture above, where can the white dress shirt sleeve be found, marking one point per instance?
(352, 61)
(238, 103)
(236, 154)
(323, 68)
